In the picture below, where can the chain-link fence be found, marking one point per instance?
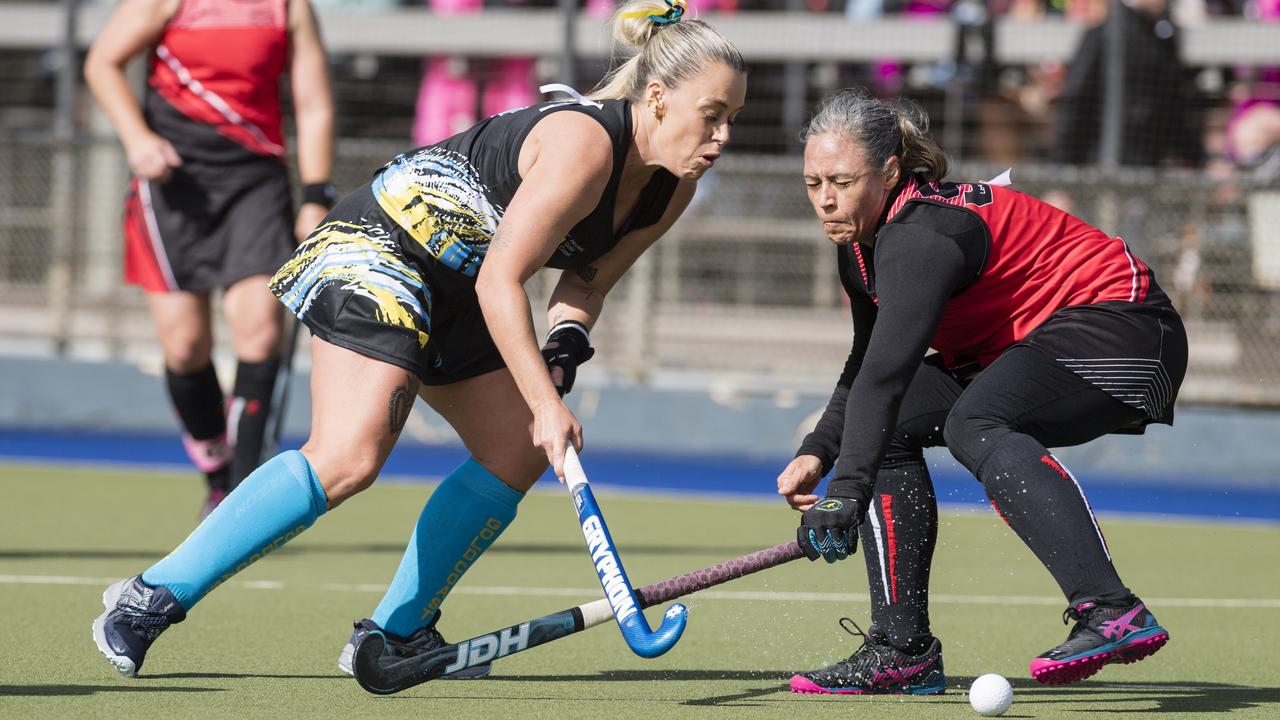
(744, 286)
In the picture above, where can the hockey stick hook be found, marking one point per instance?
(626, 606)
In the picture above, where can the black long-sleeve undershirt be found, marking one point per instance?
(929, 253)
(824, 441)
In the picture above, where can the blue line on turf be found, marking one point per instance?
(712, 473)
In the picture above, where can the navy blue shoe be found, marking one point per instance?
(424, 640)
(135, 615)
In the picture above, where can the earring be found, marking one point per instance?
(659, 110)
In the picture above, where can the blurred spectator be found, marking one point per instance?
(1015, 108)
(887, 77)
(451, 86)
(1015, 114)
(1086, 12)
(1161, 113)
(448, 93)
(1253, 132)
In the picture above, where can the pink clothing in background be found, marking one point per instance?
(447, 96)
(1263, 89)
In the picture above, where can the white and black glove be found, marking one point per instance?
(568, 346)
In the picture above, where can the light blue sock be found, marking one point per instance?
(466, 513)
(271, 507)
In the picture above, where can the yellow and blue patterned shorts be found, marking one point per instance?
(358, 283)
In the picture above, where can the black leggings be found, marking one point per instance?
(997, 425)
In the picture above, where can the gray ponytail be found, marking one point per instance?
(882, 130)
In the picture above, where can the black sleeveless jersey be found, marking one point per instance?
(451, 196)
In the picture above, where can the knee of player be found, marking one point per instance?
(517, 467)
(342, 471)
(257, 344)
(966, 437)
(188, 355)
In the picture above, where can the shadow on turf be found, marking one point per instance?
(1169, 697)
(1101, 697)
(777, 679)
(81, 554)
(69, 690)
(367, 548)
(241, 676)
(646, 675)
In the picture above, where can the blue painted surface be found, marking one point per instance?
(675, 414)
(703, 473)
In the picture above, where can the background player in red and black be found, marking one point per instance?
(209, 204)
(1049, 333)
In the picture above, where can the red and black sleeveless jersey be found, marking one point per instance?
(1039, 260)
(214, 82)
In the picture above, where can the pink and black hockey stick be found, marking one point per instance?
(384, 676)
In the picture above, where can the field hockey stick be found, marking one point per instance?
(643, 641)
(280, 394)
(384, 676)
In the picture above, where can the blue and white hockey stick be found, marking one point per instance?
(613, 578)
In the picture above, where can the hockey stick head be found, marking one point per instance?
(365, 665)
(651, 643)
(381, 674)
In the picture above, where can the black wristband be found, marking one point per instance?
(321, 193)
(571, 325)
(572, 348)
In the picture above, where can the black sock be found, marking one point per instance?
(1042, 502)
(197, 398)
(898, 538)
(250, 406)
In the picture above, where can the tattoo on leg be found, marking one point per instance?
(401, 404)
(587, 273)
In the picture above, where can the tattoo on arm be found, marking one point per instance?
(587, 273)
(401, 404)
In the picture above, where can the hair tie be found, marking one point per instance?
(675, 11)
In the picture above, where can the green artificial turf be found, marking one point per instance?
(265, 644)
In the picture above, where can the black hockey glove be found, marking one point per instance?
(568, 346)
(829, 529)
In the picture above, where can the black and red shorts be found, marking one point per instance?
(208, 227)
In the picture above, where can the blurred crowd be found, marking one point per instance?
(1173, 115)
